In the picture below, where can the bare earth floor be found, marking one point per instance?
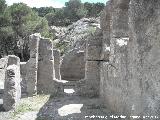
(67, 107)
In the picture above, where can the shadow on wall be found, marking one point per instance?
(73, 65)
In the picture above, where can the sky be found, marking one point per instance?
(48, 3)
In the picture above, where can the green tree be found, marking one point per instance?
(43, 11)
(72, 8)
(93, 9)
(25, 22)
(6, 32)
(88, 6)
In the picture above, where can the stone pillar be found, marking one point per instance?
(92, 66)
(12, 87)
(46, 71)
(23, 70)
(144, 57)
(56, 54)
(32, 65)
(3, 66)
(114, 75)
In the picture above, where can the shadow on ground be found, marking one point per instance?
(73, 108)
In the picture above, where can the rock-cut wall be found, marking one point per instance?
(129, 81)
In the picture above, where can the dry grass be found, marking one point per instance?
(29, 105)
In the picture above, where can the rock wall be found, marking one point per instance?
(144, 51)
(43, 68)
(92, 66)
(73, 65)
(130, 79)
(115, 83)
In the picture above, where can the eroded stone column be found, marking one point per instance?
(12, 87)
(92, 66)
(3, 66)
(23, 70)
(56, 54)
(32, 65)
(115, 85)
(46, 71)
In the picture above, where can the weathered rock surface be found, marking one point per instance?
(23, 70)
(32, 64)
(46, 71)
(73, 65)
(129, 81)
(92, 66)
(56, 54)
(114, 74)
(3, 66)
(12, 87)
(76, 36)
(144, 49)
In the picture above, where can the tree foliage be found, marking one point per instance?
(22, 21)
(73, 11)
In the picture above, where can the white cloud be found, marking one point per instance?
(38, 3)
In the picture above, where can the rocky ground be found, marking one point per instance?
(66, 107)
